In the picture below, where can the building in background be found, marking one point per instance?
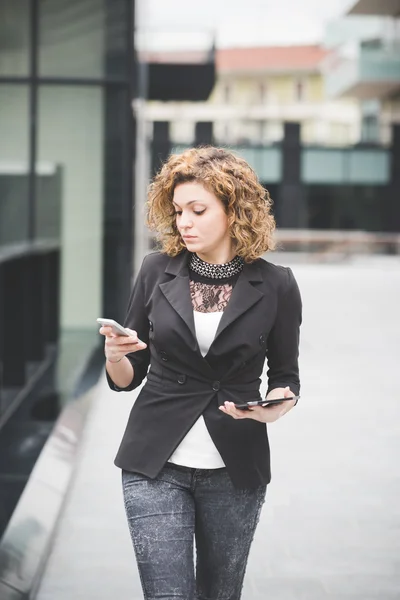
(256, 91)
(364, 64)
(320, 128)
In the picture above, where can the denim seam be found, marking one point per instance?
(254, 526)
(135, 542)
(193, 481)
(255, 523)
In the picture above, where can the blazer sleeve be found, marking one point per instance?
(136, 319)
(283, 340)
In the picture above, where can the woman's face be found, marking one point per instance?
(202, 222)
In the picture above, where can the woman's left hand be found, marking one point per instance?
(259, 413)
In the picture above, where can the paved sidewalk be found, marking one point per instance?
(330, 529)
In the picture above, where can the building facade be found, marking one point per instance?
(364, 64)
(256, 91)
(326, 147)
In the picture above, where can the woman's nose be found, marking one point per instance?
(186, 222)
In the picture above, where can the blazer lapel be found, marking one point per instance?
(244, 296)
(177, 291)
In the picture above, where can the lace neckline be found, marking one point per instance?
(216, 271)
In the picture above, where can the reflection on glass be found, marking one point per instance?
(14, 164)
(83, 38)
(48, 183)
(70, 189)
(14, 38)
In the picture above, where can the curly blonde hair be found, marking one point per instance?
(230, 178)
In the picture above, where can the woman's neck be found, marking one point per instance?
(217, 257)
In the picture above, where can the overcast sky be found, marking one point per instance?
(243, 22)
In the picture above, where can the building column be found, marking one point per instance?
(291, 209)
(204, 135)
(161, 145)
(119, 161)
(392, 214)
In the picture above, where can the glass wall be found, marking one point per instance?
(71, 145)
(14, 163)
(66, 220)
(65, 94)
(71, 38)
(14, 38)
(84, 39)
(345, 165)
(338, 189)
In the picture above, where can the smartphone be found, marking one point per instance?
(117, 329)
(265, 403)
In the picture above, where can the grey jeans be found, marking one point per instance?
(167, 513)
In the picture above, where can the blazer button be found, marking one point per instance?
(181, 379)
(164, 356)
(216, 386)
(263, 339)
(151, 326)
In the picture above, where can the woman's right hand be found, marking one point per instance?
(118, 346)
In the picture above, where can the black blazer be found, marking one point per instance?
(262, 318)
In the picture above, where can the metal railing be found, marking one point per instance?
(324, 243)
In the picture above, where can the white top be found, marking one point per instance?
(197, 449)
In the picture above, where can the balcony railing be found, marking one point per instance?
(367, 70)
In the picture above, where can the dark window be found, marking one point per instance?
(262, 92)
(227, 93)
(299, 90)
(344, 207)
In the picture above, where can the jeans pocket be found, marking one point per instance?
(131, 478)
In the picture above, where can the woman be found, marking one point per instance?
(204, 313)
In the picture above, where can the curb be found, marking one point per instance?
(26, 543)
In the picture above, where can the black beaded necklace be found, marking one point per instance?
(212, 271)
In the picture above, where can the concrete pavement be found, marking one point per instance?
(330, 528)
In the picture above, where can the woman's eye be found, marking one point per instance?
(196, 212)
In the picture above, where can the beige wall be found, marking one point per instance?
(245, 89)
(315, 88)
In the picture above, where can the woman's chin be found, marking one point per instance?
(192, 244)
